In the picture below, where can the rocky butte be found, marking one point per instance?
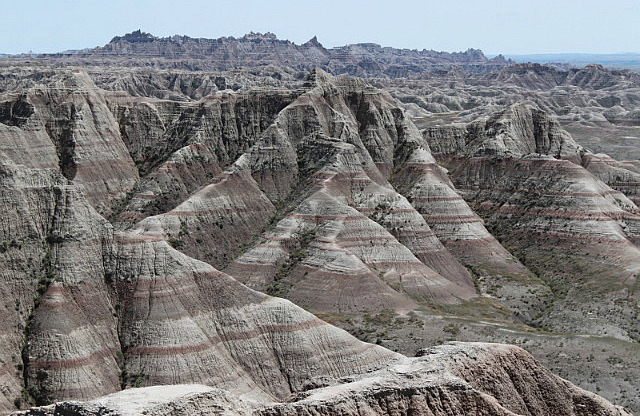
(249, 226)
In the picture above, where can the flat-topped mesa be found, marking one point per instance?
(544, 77)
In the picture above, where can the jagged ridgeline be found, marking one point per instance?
(187, 230)
(257, 50)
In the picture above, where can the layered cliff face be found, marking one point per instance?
(61, 308)
(223, 334)
(103, 323)
(133, 156)
(324, 163)
(67, 125)
(28, 199)
(326, 195)
(180, 147)
(96, 316)
(464, 379)
(518, 131)
(524, 174)
(598, 106)
(623, 176)
(496, 271)
(354, 217)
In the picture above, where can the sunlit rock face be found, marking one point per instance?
(544, 197)
(147, 230)
(67, 124)
(116, 309)
(461, 378)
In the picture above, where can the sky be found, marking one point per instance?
(495, 26)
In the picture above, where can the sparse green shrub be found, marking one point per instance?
(176, 243)
(452, 329)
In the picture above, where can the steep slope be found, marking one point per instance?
(133, 156)
(463, 379)
(216, 222)
(137, 312)
(180, 147)
(25, 139)
(623, 176)
(68, 125)
(327, 195)
(112, 310)
(529, 197)
(536, 76)
(496, 271)
(28, 199)
(518, 131)
(324, 162)
(223, 334)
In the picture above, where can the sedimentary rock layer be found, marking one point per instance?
(327, 195)
(181, 146)
(525, 176)
(464, 379)
(428, 188)
(257, 50)
(623, 176)
(112, 310)
(67, 124)
(336, 142)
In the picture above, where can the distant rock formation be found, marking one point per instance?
(537, 76)
(257, 49)
(133, 37)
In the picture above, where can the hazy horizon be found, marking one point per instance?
(495, 27)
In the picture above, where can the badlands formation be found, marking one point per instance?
(186, 228)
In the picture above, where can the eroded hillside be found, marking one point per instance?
(148, 226)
